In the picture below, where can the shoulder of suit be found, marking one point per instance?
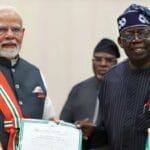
(85, 82)
(27, 63)
(118, 66)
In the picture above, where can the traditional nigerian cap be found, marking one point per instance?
(134, 15)
(108, 46)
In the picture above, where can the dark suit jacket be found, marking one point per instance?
(124, 96)
(81, 102)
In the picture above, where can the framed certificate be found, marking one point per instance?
(47, 135)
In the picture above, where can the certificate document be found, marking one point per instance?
(47, 135)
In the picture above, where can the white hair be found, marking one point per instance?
(5, 8)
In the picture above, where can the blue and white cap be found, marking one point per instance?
(134, 15)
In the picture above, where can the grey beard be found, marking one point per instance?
(9, 53)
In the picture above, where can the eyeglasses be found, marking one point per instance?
(14, 29)
(142, 34)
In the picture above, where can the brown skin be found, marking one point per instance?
(137, 50)
(102, 62)
(87, 129)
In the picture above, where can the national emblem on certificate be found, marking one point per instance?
(47, 135)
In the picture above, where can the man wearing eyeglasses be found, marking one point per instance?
(125, 92)
(26, 82)
(83, 102)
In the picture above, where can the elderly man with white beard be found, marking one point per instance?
(24, 79)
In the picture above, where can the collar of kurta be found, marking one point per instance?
(9, 63)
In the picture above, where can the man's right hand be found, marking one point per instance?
(1, 148)
(87, 127)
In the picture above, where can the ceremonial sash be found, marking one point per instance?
(11, 111)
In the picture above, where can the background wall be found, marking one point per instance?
(61, 34)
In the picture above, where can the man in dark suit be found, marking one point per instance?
(82, 102)
(125, 91)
